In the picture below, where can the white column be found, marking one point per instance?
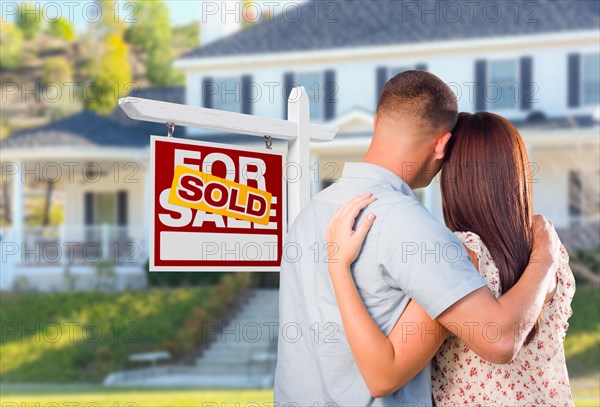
(18, 205)
(105, 241)
(62, 230)
(299, 177)
(12, 246)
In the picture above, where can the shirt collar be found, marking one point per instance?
(376, 172)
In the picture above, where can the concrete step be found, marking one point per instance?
(234, 357)
(243, 356)
(224, 370)
(247, 344)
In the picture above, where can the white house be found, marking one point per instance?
(536, 63)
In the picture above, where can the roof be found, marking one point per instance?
(85, 129)
(360, 23)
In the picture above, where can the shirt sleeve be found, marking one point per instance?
(422, 257)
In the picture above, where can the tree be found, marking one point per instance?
(249, 14)
(111, 78)
(111, 21)
(61, 28)
(29, 19)
(154, 37)
(187, 36)
(11, 46)
(57, 70)
(58, 76)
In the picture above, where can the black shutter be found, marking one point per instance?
(573, 80)
(122, 208)
(208, 86)
(382, 77)
(330, 92)
(88, 208)
(480, 84)
(421, 67)
(288, 84)
(526, 86)
(246, 94)
(88, 216)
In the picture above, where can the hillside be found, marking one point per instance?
(29, 95)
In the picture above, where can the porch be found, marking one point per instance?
(75, 224)
(50, 259)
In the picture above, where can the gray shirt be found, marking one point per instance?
(407, 254)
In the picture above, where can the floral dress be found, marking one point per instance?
(536, 377)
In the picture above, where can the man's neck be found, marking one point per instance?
(408, 170)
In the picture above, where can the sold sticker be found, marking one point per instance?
(215, 207)
(197, 190)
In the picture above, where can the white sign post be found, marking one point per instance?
(297, 130)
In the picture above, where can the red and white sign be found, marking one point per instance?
(215, 207)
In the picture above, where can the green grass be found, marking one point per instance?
(80, 337)
(158, 314)
(29, 395)
(26, 396)
(582, 345)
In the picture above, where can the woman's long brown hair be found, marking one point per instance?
(486, 189)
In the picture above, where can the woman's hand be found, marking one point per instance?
(344, 243)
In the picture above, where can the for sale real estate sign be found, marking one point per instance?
(215, 207)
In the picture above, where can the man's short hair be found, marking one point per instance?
(422, 96)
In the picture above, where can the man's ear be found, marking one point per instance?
(374, 122)
(440, 146)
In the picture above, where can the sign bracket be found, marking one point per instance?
(296, 130)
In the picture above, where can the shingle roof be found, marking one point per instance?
(356, 23)
(85, 129)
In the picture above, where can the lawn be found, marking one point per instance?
(80, 337)
(157, 313)
(73, 395)
(582, 345)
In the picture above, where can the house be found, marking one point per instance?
(536, 63)
(99, 165)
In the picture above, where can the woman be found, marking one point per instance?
(486, 197)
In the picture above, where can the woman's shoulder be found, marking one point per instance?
(485, 264)
(474, 243)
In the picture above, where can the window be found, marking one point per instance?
(591, 79)
(105, 208)
(313, 83)
(227, 94)
(501, 89)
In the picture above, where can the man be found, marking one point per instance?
(408, 254)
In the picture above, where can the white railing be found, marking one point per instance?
(81, 245)
(581, 232)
